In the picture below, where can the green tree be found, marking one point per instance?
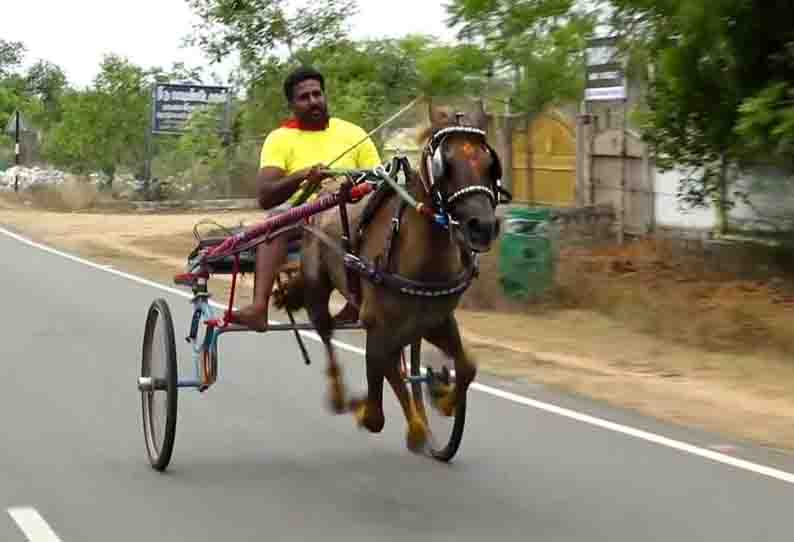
(538, 43)
(46, 82)
(254, 28)
(766, 121)
(178, 71)
(718, 87)
(9, 101)
(12, 85)
(452, 70)
(103, 128)
(13, 96)
(202, 155)
(11, 55)
(766, 118)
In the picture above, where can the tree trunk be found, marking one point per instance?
(722, 196)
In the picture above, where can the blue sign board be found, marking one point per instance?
(173, 104)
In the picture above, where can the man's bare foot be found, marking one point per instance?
(252, 317)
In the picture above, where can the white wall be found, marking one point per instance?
(671, 213)
(770, 204)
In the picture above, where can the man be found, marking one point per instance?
(291, 161)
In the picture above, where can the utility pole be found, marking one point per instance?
(147, 142)
(16, 152)
(622, 200)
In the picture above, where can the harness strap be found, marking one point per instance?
(353, 280)
(395, 282)
(374, 203)
(394, 232)
(407, 286)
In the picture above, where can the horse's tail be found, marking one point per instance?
(290, 295)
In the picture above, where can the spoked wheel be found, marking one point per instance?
(157, 384)
(427, 381)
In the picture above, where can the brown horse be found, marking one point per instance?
(461, 170)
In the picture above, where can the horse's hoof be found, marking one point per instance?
(336, 404)
(416, 437)
(364, 418)
(336, 400)
(445, 405)
(336, 395)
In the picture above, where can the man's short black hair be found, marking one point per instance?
(298, 76)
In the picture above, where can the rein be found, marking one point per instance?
(378, 272)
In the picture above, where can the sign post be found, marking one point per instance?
(16, 151)
(605, 82)
(173, 104)
(605, 77)
(14, 127)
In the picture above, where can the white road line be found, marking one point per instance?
(519, 399)
(33, 525)
(146, 282)
(640, 434)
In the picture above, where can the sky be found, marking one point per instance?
(76, 34)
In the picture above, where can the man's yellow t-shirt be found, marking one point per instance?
(292, 149)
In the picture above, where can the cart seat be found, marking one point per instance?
(247, 257)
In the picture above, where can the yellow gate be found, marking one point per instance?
(544, 162)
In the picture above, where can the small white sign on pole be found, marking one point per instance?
(605, 75)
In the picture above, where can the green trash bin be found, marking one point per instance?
(527, 253)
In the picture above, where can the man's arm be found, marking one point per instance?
(274, 187)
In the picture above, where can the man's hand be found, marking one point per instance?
(274, 187)
(315, 175)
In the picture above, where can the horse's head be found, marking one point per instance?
(463, 174)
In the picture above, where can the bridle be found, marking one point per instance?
(436, 168)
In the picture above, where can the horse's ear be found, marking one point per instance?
(424, 134)
(440, 116)
(480, 120)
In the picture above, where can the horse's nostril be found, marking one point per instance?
(481, 230)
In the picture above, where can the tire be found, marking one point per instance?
(446, 433)
(159, 362)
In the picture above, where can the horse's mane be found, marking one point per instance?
(424, 135)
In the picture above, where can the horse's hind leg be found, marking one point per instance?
(317, 294)
(417, 433)
(369, 410)
(447, 338)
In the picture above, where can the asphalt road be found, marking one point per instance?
(258, 457)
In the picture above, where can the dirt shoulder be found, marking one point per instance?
(736, 392)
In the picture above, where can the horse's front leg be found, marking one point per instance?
(447, 338)
(336, 389)
(417, 433)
